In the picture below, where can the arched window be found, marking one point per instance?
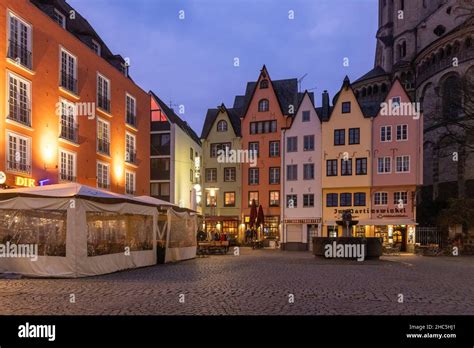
(452, 97)
(449, 50)
(384, 88)
(222, 126)
(441, 54)
(456, 47)
(263, 105)
(404, 49)
(264, 84)
(376, 89)
(369, 90)
(364, 92)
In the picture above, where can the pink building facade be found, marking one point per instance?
(397, 168)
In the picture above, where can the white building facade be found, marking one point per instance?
(301, 210)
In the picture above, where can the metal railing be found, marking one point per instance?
(103, 185)
(67, 177)
(20, 54)
(131, 157)
(103, 146)
(69, 82)
(19, 113)
(103, 102)
(131, 119)
(70, 132)
(19, 167)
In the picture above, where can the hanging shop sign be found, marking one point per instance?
(3, 178)
(24, 182)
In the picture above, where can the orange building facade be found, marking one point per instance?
(69, 110)
(264, 115)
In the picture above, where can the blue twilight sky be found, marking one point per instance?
(190, 61)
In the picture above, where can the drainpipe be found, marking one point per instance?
(283, 188)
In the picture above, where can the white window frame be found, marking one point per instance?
(399, 101)
(107, 165)
(391, 134)
(66, 103)
(101, 120)
(230, 178)
(134, 111)
(100, 76)
(63, 17)
(29, 43)
(28, 160)
(396, 135)
(74, 164)
(384, 159)
(220, 129)
(129, 135)
(401, 195)
(68, 53)
(381, 200)
(402, 158)
(28, 95)
(129, 173)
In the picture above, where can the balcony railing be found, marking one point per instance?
(103, 102)
(70, 132)
(131, 157)
(69, 82)
(103, 185)
(19, 113)
(131, 119)
(129, 191)
(103, 146)
(20, 54)
(19, 167)
(67, 177)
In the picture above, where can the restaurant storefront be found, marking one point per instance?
(228, 225)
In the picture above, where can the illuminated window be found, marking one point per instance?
(253, 195)
(274, 198)
(229, 199)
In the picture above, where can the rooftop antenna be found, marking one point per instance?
(312, 89)
(299, 81)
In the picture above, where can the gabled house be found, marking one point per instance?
(174, 156)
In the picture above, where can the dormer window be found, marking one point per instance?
(222, 126)
(263, 84)
(59, 18)
(96, 47)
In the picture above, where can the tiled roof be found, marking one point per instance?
(176, 119)
(211, 115)
(375, 72)
(79, 27)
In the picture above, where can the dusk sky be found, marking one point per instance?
(190, 61)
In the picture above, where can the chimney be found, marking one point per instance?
(325, 105)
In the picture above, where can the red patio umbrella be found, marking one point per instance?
(260, 217)
(253, 213)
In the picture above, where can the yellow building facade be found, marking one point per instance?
(346, 160)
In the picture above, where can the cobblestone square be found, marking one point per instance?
(257, 282)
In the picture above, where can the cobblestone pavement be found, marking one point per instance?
(258, 282)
